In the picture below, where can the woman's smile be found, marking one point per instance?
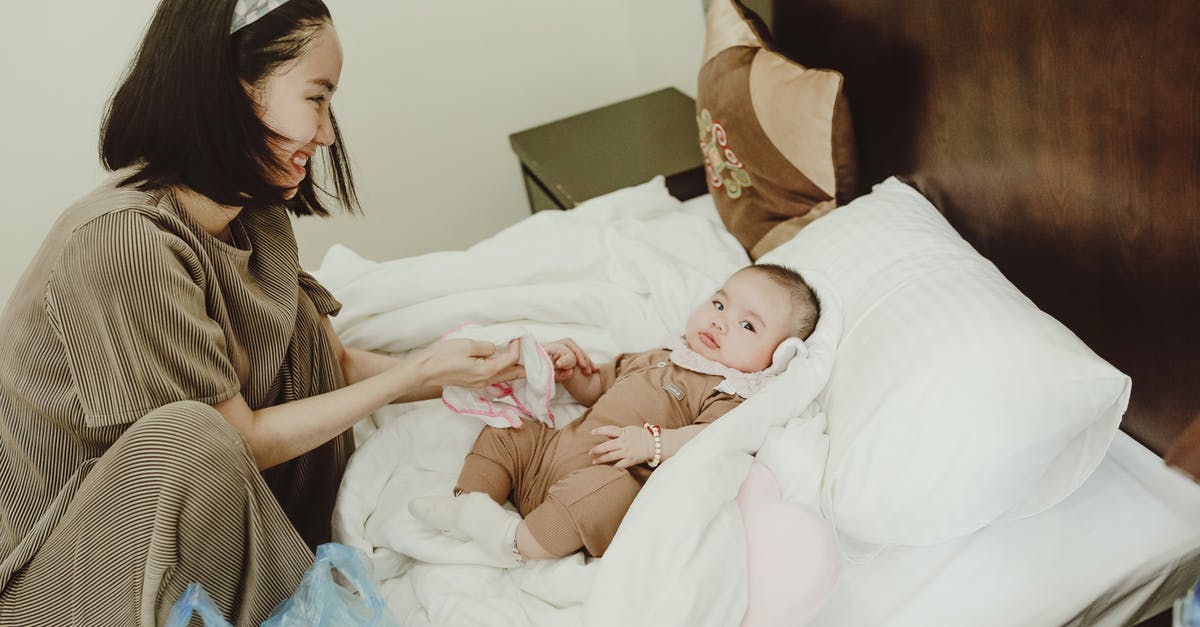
(298, 163)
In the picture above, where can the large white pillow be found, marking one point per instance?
(954, 401)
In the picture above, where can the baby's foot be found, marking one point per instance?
(473, 516)
(439, 512)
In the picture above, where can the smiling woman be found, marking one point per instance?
(243, 110)
(164, 345)
(294, 103)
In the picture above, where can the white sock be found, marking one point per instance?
(491, 527)
(439, 512)
(473, 516)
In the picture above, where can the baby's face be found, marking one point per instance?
(743, 322)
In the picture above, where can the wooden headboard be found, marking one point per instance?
(1061, 138)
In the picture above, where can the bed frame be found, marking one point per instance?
(1062, 139)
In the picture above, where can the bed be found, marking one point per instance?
(1060, 141)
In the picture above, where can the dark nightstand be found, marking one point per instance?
(593, 153)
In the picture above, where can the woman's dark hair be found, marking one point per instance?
(183, 117)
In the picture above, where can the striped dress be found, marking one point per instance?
(119, 483)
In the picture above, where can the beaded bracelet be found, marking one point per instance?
(656, 432)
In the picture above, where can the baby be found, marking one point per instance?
(573, 486)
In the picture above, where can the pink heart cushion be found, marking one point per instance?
(793, 556)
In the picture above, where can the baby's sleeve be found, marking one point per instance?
(716, 406)
(613, 369)
(127, 301)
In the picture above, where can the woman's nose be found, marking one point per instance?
(325, 135)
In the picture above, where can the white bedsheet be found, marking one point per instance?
(616, 276)
(1114, 552)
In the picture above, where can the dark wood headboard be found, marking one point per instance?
(1061, 138)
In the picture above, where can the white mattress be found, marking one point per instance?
(1117, 551)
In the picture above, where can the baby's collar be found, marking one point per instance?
(736, 382)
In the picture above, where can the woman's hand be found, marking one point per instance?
(626, 446)
(469, 363)
(566, 356)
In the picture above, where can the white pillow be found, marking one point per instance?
(954, 401)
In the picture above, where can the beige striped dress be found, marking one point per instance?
(119, 483)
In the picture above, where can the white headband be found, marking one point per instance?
(247, 11)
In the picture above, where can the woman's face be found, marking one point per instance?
(294, 102)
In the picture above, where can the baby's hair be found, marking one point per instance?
(805, 305)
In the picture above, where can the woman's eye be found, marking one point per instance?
(318, 99)
(747, 326)
(718, 305)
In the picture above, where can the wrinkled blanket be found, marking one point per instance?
(619, 273)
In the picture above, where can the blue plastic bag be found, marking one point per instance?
(195, 599)
(319, 600)
(1187, 609)
(322, 601)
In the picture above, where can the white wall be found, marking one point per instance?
(60, 62)
(429, 94)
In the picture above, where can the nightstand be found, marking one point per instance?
(599, 151)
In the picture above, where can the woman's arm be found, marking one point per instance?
(359, 365)
(282, 432)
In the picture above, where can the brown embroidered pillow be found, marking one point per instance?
(776, 136)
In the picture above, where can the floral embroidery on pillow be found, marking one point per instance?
(723, 167)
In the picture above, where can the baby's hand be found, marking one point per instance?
(566, 356)
(626, 446)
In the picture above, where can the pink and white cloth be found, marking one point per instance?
(504, 405)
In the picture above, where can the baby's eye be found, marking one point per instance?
(747, 326)
(718, 305)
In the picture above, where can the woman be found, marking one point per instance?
(164, 346)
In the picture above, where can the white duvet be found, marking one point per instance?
(619, 273)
